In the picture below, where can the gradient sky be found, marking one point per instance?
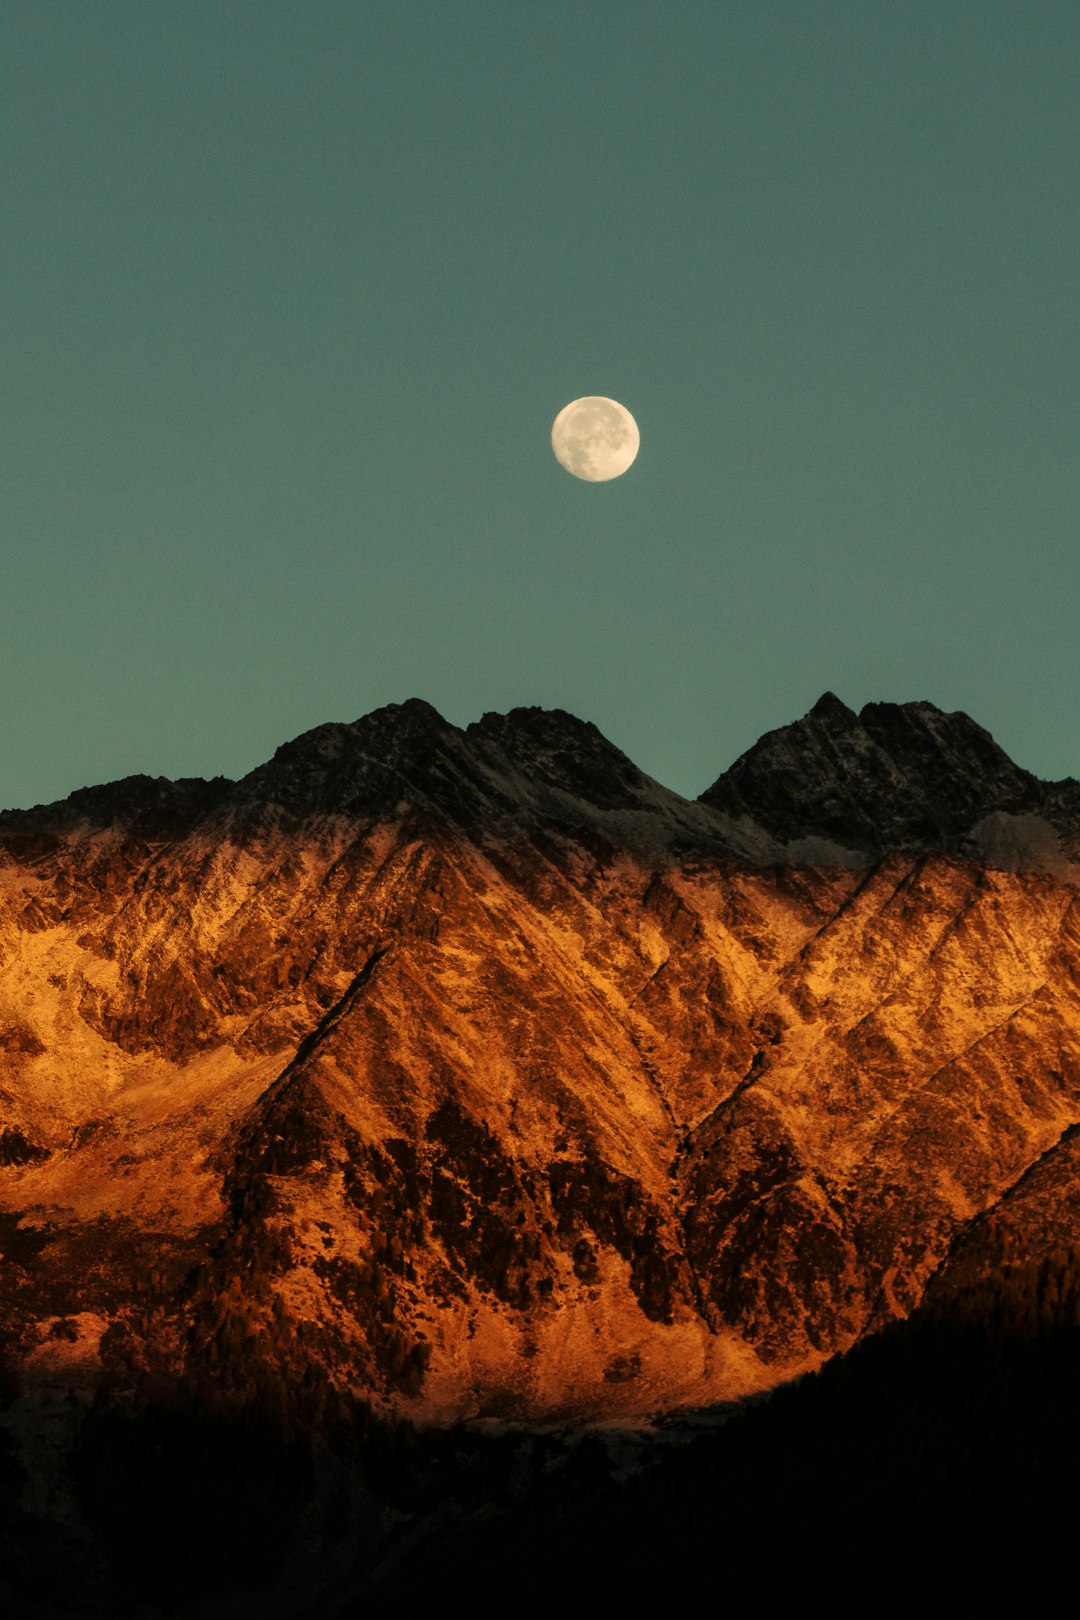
(292, 292)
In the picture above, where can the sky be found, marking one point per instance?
(291, 294)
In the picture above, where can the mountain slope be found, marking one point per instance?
(471, 1072)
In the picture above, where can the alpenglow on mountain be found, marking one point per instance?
(471, 1073)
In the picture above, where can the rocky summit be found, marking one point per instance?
(472, 1073)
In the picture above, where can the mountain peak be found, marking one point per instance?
(554, 749)
(830, 707)
(352, 768)
(895, 775)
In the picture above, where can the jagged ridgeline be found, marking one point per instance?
(427, 1075)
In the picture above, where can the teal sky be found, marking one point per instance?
(292, 292)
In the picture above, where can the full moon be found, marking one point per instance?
(595, 438)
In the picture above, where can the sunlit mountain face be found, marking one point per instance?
(435, 1114)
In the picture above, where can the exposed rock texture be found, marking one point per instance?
(894, 777)
(474, 1073)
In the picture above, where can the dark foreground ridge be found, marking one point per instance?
(447, 1159)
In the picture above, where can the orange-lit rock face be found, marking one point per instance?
(475, 1073)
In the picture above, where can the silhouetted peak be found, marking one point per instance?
(829, 708)
(553, 748)
(536, 728)
(414, 716)
(895, 775)
(357, 768)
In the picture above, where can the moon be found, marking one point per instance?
(595, 438)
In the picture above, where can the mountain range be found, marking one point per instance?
(429, 1077)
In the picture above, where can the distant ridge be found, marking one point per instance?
(894, 776)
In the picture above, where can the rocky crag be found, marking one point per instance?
(471, 1073)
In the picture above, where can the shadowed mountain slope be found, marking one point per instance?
(893, 777)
